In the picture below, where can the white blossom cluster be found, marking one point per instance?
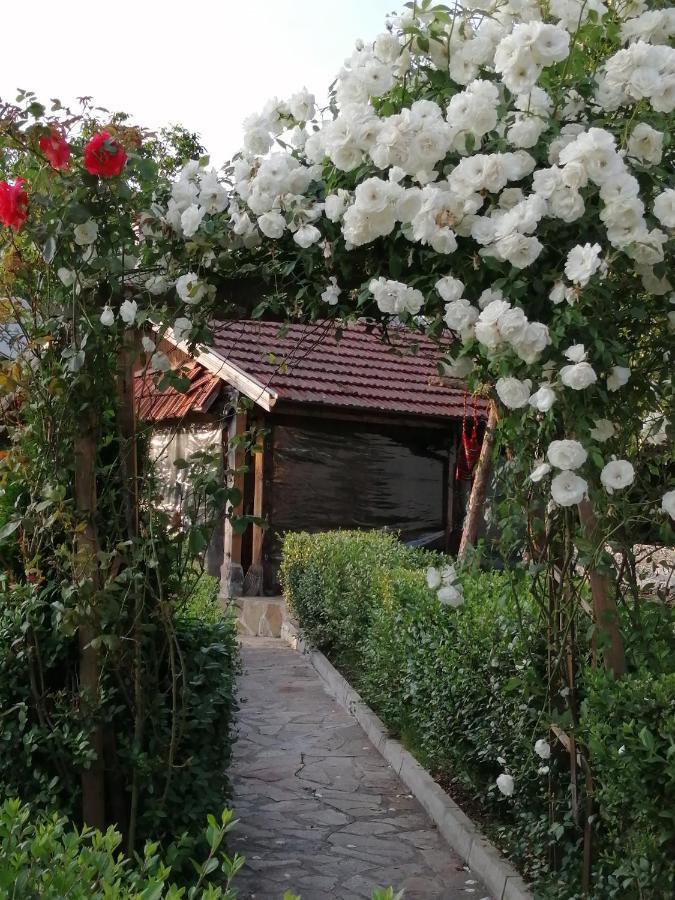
(445, 582)
(197, 193)
(511, 161)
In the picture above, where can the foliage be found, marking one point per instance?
(44, 856)
(466, 689)
(190, 683)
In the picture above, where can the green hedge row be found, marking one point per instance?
(465, 689)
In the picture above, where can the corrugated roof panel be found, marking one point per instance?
(153, 405)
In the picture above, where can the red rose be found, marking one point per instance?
(55, 149)
(13, 204)
(104, 156)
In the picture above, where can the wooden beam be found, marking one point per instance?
(450, 491)
(235, 460)
(260, 394)
(258, 502)
(481, 481)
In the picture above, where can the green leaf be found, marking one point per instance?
(9, 528)
(49, 249)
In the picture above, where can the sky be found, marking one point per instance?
(204, 64)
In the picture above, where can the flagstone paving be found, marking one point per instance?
(320, 811)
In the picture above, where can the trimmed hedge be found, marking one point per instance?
(466, 690)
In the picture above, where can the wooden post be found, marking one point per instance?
(450, 493)
(92, 779)
(605, 610)
(481, 482)
(253, 582)
(232, 575)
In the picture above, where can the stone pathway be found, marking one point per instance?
(320, 811)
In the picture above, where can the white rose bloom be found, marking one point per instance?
(543, 749)
(543, 399)
(579, 376)
(616, 475)
(128, 311)
(460, 316)
(505, 784)
(189, 288)
(86, 233)
(513, 393)
(568, 489)
(272, 224)
(582, 263)
(646, 144)
(306, 235)
(603, 430)
(66, 276)
(566, 454)
(182, 328)
(107, 316)
(148, 344)
(191, 219)
(576, 353)
(302, 105)
(557, 294)
(433, 578)
(457, 368)
(450, 288)
(160, 362)
(539, 472)
(664, 208)
(332, 292)
(617, 378)
(335, 205)
(488, 296)
(450, 595)
(668, 503)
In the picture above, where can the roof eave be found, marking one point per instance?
(227, 371)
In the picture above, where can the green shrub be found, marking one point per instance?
(45, 857)
(183, 767)
(466, 690)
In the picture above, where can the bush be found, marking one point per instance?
(44, 856)
(183, 767)
(466, 691)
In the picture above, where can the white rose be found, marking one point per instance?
(433, 578)
(617, 377)
(107, 316)
(460, 315)
(568, 489)
(505, 784)
(306, 235)
(576, 353)
(450, 595)
(616, 475)
(128, 311)
(182, 328)
(646, 144)
(603, 430)
(191, 219)
(332, 292)
(668, 503)
(543, 399)
(664, 208)
(189, 288)
(539, 472)
(148, 344)
(272, 224)
(86, 233)
(513, 393)
(566, 454)
(66, 276)
(543, 749)
(582, 263)
(578, 376)
(335, 204)
(450, 288)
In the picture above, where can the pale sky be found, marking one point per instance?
(204, 64)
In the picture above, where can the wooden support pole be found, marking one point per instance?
(258, 505)
(605, 611)
(480, 486)
(236, 459)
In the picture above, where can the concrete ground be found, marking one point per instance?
(320, 811)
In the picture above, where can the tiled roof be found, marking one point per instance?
(153, 405)
(306, 364)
